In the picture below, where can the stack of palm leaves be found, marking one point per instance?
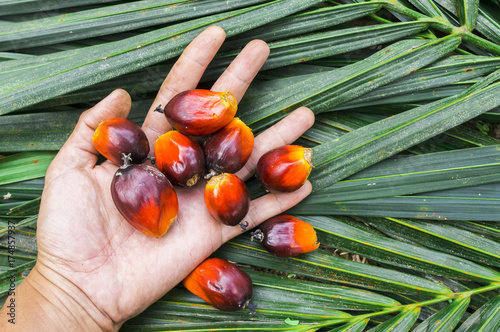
(398, 179)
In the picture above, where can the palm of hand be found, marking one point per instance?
(83, 238)
(119, 268)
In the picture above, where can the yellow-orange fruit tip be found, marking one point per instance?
(286, 236)
(285, 169)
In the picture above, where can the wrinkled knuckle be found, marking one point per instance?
(242, 80)
(277, 135)
(253, 216)
(279, 202)
(195, 61)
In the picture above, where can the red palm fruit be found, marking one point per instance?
(286, 236)
(201, 112)
(180, 158)
(145, 197)
(221, 284)
(227, 198)
(115, 137)
(285, 169)
(228, 150)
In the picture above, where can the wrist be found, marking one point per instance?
(47, 301)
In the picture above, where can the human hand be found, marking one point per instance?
(101, 269)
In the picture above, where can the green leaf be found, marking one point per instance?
(36, 131)
(477, 203)
(324, 91)
(16, 270)
(484, 229)
(464, 287)
(404, 175)
(9, 7)
(359, 149)
(24, 166)
(467, 12)
(487, 318)
(49, 130)
(337, 297)
(319, 45)
(442, 73)
(30, 221)
(400, 323)
(339, 234)
(25, 209)
(286, 27)
(102, 62)
(443, 237)
(486, 22)
(415, 99)
(332, 125)
(446, 319)
(356, 326)
(24, 252)
(273, 306)
(322, 265)
(202, 326)
(301, 23)
(13, 56)
(26, 190)
(109, 20)
(5, 287)
(429, 8)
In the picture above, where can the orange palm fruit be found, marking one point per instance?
(115, 137)
(228, 150)
(286, 236)
(200, 112)
(285, 169)
(227, 198)
(145, 198)
(180, 158)
(221, 284)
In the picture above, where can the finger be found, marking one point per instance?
(240, 73)
(79, 151)
(268, 206)
(284, 132)
(184, 75)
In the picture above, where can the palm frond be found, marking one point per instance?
(9, 7)
(406, 199)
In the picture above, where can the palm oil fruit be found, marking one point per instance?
(221, 284)
(286, 236)
(115, 137)
(145, 198)
(180, 158)
(227, 198)
(228, 150)
(200, 112)
(285, 169)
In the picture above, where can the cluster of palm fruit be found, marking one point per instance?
(146, 197)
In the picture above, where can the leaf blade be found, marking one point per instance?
(400, 323)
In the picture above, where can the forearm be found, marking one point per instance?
(51, 303)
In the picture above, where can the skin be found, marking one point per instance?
(94, 270)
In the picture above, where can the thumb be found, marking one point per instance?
(79, 151)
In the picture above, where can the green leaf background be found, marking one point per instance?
(406, 198)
